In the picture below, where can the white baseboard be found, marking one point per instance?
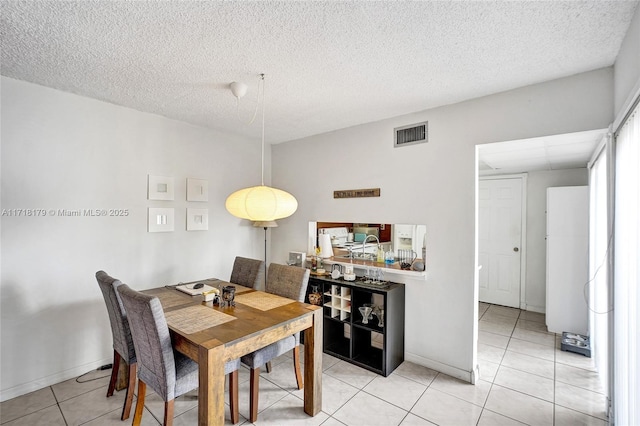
(43, 382)
(449, 370)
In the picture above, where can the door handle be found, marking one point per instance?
(516, 249)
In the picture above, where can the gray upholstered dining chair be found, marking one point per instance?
(169, 373)
(123, 349)
(285, 281)
(248, 272)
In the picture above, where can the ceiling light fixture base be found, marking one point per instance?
(238, 89)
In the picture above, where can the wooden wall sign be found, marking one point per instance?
(357, 193)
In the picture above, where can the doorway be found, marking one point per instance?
(501, 236)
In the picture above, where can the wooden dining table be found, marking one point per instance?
(212, 335)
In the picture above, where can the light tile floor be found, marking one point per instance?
(525, 379)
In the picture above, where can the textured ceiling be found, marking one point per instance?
(328, 65)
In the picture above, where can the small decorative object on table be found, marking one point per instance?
(315, 297)
(228, 295)
(211, 295)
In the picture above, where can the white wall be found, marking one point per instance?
(537, 184)
(627, 67)
(62, 151)
(430, 184)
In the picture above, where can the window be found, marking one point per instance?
(598, 290)
(627, 272)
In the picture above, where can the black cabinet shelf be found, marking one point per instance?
(371, 326)
(376, 348)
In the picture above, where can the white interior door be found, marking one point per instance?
(500, 236)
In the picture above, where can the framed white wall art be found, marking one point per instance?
(197, 190)
(161, 219)
(160, 188)
(197, 219)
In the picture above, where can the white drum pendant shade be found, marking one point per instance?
(261, 203)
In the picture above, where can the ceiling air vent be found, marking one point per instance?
(412, 134)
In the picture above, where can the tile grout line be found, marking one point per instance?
(491, 386)
(555, 380)
(511, 337)
(505, 352)
(419, 398)
(64, 419)
(493, 382)
(500, 365)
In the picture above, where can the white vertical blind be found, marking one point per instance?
(627, 273)
(598, 289)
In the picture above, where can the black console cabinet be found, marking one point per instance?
(378, 345)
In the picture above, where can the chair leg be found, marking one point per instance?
(128, 400)
(254, 382)
(168, 413)
(137, 416)
(233, 396)
(296, 366)
(268, 365)
(114, 373)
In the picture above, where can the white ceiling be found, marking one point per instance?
(557, 152)
(328, 64)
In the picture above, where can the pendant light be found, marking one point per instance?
(259, 203)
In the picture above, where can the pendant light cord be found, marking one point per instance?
(255, 111)
(262, 79)
(255, 114)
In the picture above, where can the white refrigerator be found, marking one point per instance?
(567, 259)
(409, 237)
